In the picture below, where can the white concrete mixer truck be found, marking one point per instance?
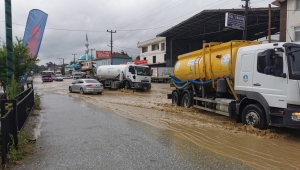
(128, 76)
(257, 83)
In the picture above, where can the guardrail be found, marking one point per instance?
(13, 120)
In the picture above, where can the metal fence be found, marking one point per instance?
(13, 120)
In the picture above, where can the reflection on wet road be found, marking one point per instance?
(270, 149)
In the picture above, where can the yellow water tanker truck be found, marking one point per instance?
(256, 83)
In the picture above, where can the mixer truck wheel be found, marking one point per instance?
(175, 98)
(186, 100)
(254, 115)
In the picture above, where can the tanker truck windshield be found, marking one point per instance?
(143, 71)
(294, 58)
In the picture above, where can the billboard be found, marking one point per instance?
(103, 54)
(234, 21)
(34, 31)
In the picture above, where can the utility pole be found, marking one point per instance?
(111, 44)
(9, 41)
(246, 15)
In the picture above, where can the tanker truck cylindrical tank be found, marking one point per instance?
(213, 61)
(110, 71)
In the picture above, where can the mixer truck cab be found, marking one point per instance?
(259, 84)
(128, 76)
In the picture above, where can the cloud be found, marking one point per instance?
(101, 15)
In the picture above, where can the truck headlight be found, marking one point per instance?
(296, 116)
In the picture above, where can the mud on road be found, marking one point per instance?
(261, 149)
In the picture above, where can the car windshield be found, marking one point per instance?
(295, 60)
(143, 71)
(91, 81)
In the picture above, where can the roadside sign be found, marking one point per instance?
(103, 54)
(234, 21)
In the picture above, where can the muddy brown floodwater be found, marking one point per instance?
(275, 148)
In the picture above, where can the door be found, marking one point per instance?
(272, 87)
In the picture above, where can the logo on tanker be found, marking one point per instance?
(225, 60)
(177, 66)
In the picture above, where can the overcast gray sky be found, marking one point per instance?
(134, 20)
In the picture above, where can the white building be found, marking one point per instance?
(289, 19)
(153, 50)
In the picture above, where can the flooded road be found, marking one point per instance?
(275, 148)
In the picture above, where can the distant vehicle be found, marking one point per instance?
(77, 75)
(58, 77)
(129, 76)
(86, 86)
(67, 77)
(48, 76)
(161, 74)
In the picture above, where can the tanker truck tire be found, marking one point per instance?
(254, 115)
(186, 100)
(127, 86)
(175, 98)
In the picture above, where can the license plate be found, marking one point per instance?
(145, 88)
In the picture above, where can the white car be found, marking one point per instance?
(86, 86)
(59, 77)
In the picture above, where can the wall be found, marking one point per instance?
(160, 55)
(117, 61)
(292, 20)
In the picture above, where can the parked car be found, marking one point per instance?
(58, 77)
(67, 77)
(86, 86)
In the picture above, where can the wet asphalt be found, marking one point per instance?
(75, 134)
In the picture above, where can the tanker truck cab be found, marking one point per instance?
(260, 85)
(139, 77)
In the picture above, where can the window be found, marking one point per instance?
(144, 49)
(297, 5)
(155, 47)
(162, 47)
(297, 33)
(154, 59)
(261, 64)
(274, 66)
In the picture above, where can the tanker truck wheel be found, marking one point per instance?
(127, 85)
(186, 100)
(254, 115)
(175, 98)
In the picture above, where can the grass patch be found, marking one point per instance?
(25, 146)
(37, 102)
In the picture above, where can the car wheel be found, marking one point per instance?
(81, 91)
(186, 100)
(175, 98)
(70, 89)
(254, 115)
(127, 86)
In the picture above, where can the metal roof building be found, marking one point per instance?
(209, 26)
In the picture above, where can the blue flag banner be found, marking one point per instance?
(34, 31)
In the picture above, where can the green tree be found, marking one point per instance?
(21, 61)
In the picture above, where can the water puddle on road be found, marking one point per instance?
(275, 148)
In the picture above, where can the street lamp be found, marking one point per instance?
(74, 61)
(63, 67)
